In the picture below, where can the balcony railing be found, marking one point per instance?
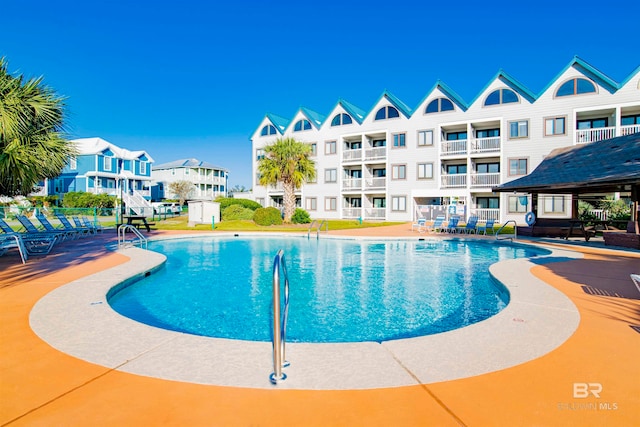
(352, 184)
(352, 212)
(454, 180)
(453, 148)
(375, 183)
(485, 179)
(485, 214)
(374, 213)
(352, 155)
(375, 153)
(485, 145)
(584, 136)
(629, 129)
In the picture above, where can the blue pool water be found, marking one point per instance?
(340, 290)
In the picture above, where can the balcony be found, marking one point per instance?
(378, 153)
(351, 184)
(375, 213)
(485, 180)
(352, 155)
(375, 183)
(629, 129)
(351, 212)
(486, 145)
(458, 180)
(584, 136)
(453, 148)
(486, 214)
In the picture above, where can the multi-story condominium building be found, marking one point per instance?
(102, 167)
(396, 163)
(209, 181)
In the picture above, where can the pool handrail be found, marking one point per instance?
(511, 237)
(279, 322)
(319, 227)
(122, 239)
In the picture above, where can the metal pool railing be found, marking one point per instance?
(511, 237)
(319, 227)
(122, 239)
(279, 322)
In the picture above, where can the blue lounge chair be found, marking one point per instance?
(27, 243)
(32, 230)
(470, 226)
(71, 234)
(419, 224)
(437, 224)
(486, 227)
(82, 231)
(452, 224)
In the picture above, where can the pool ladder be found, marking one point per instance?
(319, 227)
(122, 239)
(511, 237)
(279, 321)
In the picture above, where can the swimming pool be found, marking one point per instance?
(341, 290)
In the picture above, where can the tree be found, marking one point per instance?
(182, 189)
(31, 133)
(287, 161)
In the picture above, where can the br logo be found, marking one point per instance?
(583, 390)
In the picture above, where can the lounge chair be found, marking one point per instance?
(437, 224)
(82, 231)
(419, 224)
(486, 227)
(470, 226)
(38, 243)
(452, 225)
(96, 227)
(32, 230)
(72, 234)
(8, 241)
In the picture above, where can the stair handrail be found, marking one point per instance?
(515, 231)
(279, 322)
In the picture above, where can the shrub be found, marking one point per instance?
(300, 216)
(267, 216)
(234, 212)
(79, 199)
(225, 202)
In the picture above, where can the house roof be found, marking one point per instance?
(187, 163)
(448, 92)
(279, 122)
(610, 165)
(98, 145)
(396, 102)
(356, 113)
(589, 71)
(511, 83)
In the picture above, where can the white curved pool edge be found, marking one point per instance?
(76, 319)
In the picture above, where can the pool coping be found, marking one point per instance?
(76, 319)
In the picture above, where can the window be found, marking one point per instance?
(387, 112)
(554, 126)
(311, 203)
(517, 166)
(456, 169)
(488, 202)
(425, 138)
(330, 147)
(399, 203)
(379, 173)
(268, 130)
(439, 104)
(488, 167)
(379, 202)
(107, 163)
(487, 133)
(314, 149)
(425, 170)
(593, 123)
(301, 125)
(399, 140)
(399, 172)
(379, 143)
(554, 204)
(341, 119)
(330, 175)
(576, 86)
(519, 129)
(455, 136)
(73, 163)
(143, 168)
(260, 201)
(330, 204)
(518, 204)
(501, 96)
(630, 120)
(259, 154)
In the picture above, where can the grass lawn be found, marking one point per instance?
(180, 223)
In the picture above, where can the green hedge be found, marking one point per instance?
(300, 216)
(225, 202)
(235, 212)
(80, 199)
(267, 216)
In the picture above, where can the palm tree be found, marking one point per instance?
(287, 161)
(31, 133)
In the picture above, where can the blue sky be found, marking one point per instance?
(193, 78)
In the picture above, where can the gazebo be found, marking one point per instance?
(607, 166)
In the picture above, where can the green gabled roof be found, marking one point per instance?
(512, 83)
(401, 106)
(280, 123)
(315, 118)
(356, 113)
(453, 97)
(589, 71)
(629, 77)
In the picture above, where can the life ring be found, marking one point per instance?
(530, 218)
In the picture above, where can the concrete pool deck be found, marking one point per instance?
(42, 385)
